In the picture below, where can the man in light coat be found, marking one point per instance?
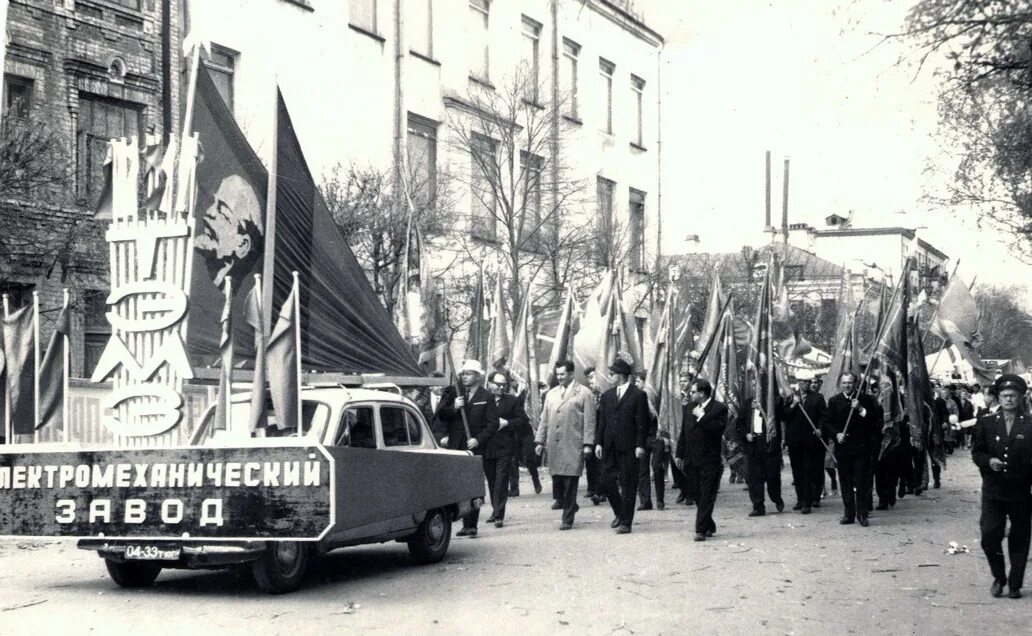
(567, 429)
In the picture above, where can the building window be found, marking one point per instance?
(100, 119)
(18, 295)
(483, 168)
(533, 223)
(17, 96)
(128, 4)
(637, 230)
(420, 20)
(531, 71)
(221, 65)
(479, 11)
(362, 14)
(606, 70)
(571, 51)
(606, 241)
(422, 159)
(637, 93)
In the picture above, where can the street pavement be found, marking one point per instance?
(779, 574)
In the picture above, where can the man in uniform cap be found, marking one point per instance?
(1002, 449)
(623, 425)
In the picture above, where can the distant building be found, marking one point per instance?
(81, 71)
(384, 93)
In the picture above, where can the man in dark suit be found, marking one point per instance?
(1002, 450)
(762, 456)
(482, 419)
(803, 414)
(698, 452)
(620, 442)
(499, 450)
(855, 446)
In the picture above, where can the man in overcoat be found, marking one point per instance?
(500, 449)
(567, 430)
(1002, 450)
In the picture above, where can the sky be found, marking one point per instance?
(807, 80)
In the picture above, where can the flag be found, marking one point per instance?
(224, 402)
(956, 321)
(562, 344)
(925, 428)
(788, 342)
(498, 348)
(479, 323)
(255, 319)
(53, 371)
(19, 344)
(282, 361)
(3, 55)
(594, 323)
(524, 357)
(727, 384)
(707, 362)
(761, 381)
(845, 356)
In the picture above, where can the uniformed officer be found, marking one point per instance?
(1002, 449)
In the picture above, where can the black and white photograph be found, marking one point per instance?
(621, 317)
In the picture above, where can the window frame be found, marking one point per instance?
(24, 109)
(84, 136)
(636, 220)
(530, 34)
(374, 17)
(483, 9)
(638, 94)
(531, 164)
(341, 425)
(606, 71)
(429, 31)
(479, 211)
(571, 57)
(222, 69)
(425, 128)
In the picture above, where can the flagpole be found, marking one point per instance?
(8, 433)
(229, 371)
(297, 344)
(66, 357)
(35, 364)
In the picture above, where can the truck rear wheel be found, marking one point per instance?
(132, 574)
(281, 567)
(430, 542)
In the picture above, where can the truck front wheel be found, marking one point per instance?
(132, 574)
(281, 567)
(430, 542)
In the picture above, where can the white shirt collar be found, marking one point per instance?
(706, 403)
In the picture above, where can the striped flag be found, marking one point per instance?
(53, 372)
(255, 318)
(224, 405)
(19, 344)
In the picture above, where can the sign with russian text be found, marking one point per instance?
(282, 492)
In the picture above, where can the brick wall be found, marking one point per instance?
(71, 48)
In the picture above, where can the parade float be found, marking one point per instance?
(212, 434)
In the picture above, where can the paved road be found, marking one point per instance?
(779, 574)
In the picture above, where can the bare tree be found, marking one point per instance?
(373, 214)
(525, 201)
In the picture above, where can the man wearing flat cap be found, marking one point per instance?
(1002, 450)
(481, 418)
(623, 425)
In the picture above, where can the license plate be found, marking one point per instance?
(152, 553)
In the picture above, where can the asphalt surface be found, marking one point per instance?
(780, 574)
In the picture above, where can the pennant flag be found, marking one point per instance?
(224, 402)
(761, 384)
(562, 344)
(524, 357)
(498, 347)
(788, 343)
(956, 321)
(727, 385)
(479, 323)
(282, 360)
(925, 428)
(594, 326)
(19, 344)
(845, 356)
(255, 319)
(53, 371)
(707, 361)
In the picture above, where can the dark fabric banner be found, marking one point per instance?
(18, 346)
(51, 375)
(344, 327)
